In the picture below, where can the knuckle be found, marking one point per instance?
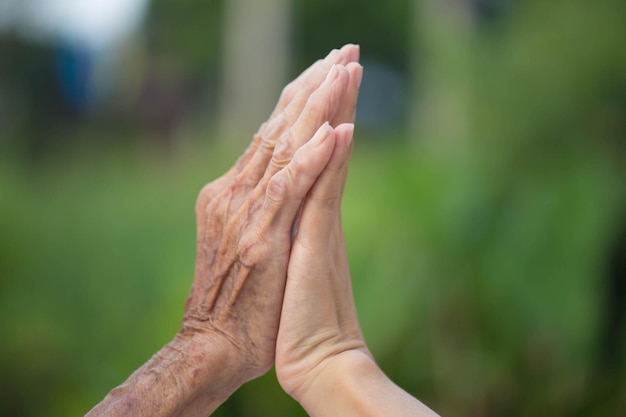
(288, 91)
(309, 84)
(270, 134)
(216, 200)
(286, 115)
(282, 151)
(237, 186)
(252, 248)
(256, 141)
(260, 131)
(275, 128)
(316, 104)
(277, 188)
(294, 177)
(242, 183)
(201, 202)
(316, 107)
(296, 167)
(267, 145)
(205, 196)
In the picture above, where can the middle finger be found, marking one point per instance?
(291, 104)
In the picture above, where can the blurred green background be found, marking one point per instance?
(485, 210)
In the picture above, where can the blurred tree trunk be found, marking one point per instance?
(255, 57)
(440, 124)
(441, 54)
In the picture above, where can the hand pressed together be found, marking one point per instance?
(272, 281)
(245, 219)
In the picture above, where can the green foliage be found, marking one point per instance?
(460, 296)
(84, 279)
(382, 29)
(187, 31)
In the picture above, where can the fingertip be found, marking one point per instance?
(343, 77)
(323, 135)
(351, 51)
(339, 150)
(355, 71)
(314, 151)
(327, 127)
(287, 188)
(336, 56)
(344, 132)
(342, 70)
(336, 72)
(346, 111)
(325, 194)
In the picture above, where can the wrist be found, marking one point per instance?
(190, 376)
(352, 384)
(335, 372)
(212, 368)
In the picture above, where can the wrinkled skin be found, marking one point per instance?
(272, 282)
(246, 217)
(246, 223)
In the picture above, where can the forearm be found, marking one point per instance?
(185, 378)
(353, 385)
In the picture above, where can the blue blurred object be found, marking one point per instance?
(74, 69)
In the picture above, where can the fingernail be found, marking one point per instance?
(349, 129)
(352, 51)
(347, 132)
(334, 51)
(358, 52)
(333, 73)
(359, 76)
(323, 133)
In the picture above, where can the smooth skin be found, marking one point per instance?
(271, 283)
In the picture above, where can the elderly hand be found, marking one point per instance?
(244, 234)
(245, 219)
